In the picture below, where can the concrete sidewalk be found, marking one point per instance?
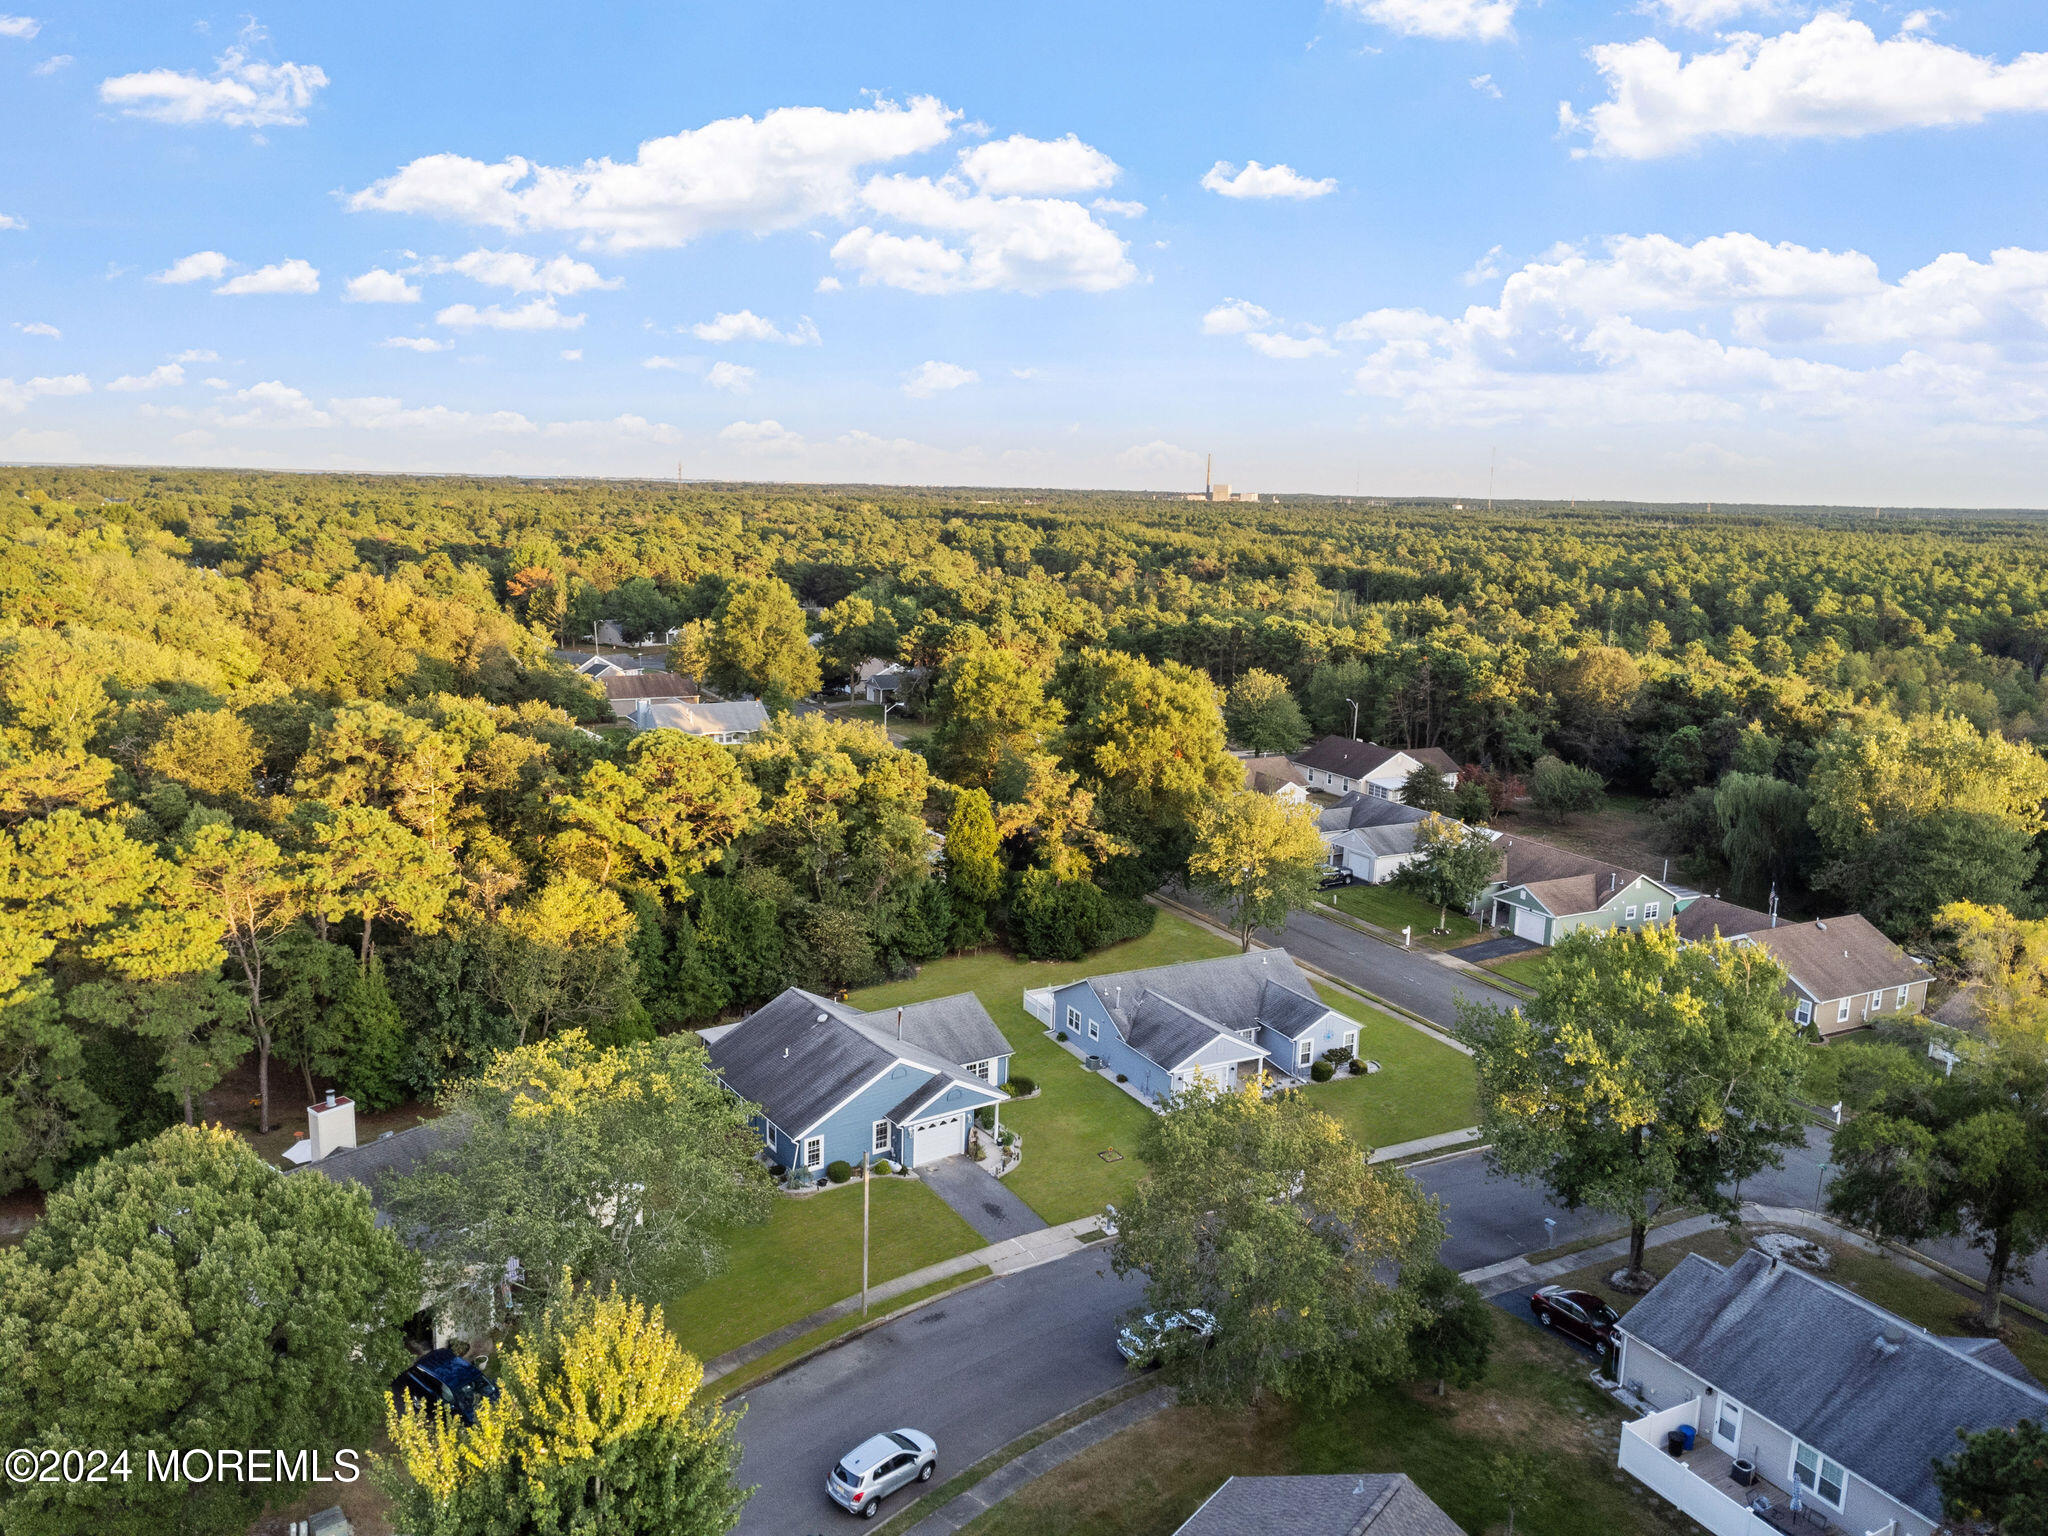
(1004, 1258)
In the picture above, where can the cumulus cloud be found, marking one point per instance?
(1263, 181)
(1263, 333)
(1024, 166)
(767, 436)
(1121, 207)
(558, 276)
(1727, 330)
(378, 286)
(732, 378)
(572, 354)
(1482, 21)
(293, 276)
(1833, 78)
(9, 221)
(787, 168)
(38, 328)
(197, 355)
(163, 376)
(15, 398)
(1704, 15)
(53, 63)
(670, 364)
(932, 378)
(19, 26)
(1018, 244)
(745, 325)
(1484, 85)
(1233, 317)
(199, 267)
(539, 315)
(240, 93)
(415, 344)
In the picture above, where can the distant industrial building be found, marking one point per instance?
(1211, 491)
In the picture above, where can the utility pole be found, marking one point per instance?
(866, 1167)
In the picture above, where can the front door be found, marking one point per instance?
(1728, 1426)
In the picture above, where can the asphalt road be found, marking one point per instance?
(973, 1371)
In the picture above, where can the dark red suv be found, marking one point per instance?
(1579, 1313)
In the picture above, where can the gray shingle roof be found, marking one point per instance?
(376, 1164)
(701, 719)
(1354, 759)
(1810, 1357)
(1340, 1504)
(1711, 915)
(1381, 842)
(1225, 995)
(957, 1029)
(1359, 809)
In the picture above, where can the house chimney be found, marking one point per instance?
(330, 1127)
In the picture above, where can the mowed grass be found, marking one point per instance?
(1148, 1479)
(1392, 907)
(807, 1256)
(1527, 969)
(1077, 1115)
(1423, 1087)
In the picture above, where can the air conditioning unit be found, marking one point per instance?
(1096, 1064)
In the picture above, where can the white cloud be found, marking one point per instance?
(1263, 333)
(787, 168)
(164, 376)
(415, 344)
(38, 328)
(385, 413)
(1233, 317)
(1289, 348)
(1017, 244)
(378, 286)
(572, 354)
(15, 398)
(1485, 86)
(558, 276)
(1483, 21)
(733, 378)
(240, 93)
(1160, 455)
(199, 267)
(748, 326)
(538, 315)
(1122, 208)
(1485, 268)
(9, 221)
(1023, 166)
(1833, 78)
(1705, 15)
(273, 403)
(669, 364)
(829, 284)
(1263, 181)
(931, 378)
(19, 26)
(53, 63)
(763, 437)
(293, 276)
(197, 355)
(1730, 330)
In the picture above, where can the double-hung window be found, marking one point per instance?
(814, 1152)
(1803, 1014)
(881, 1142)
(1820, 1476)
(1304, 1051)
(1094, 1030)
(1650, 912)
(1876, 1000)
(1842, 1012)
(1073, 1020)
(1904, 993)
(1628, 915)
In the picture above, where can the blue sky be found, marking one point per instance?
(1680, 249)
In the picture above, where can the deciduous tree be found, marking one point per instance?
(1259, 856)
(1453, 864)
(1262, 716)
(760, 643)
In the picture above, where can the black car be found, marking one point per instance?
(444, 1377)
(1335, 878)
(1579, 1313)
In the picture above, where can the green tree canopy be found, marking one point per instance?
(988, 703)
(1262, 717)
(760, 643)
(1259, 856)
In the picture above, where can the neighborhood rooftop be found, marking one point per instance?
(1881, 1397)
(1354, 759)
(1711, 915)
(1172, 1010)
(1358, 810)
(1334, 1504)
(1839, 956)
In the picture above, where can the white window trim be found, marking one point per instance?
(1877, 999)
(1842, 1012)
(814, 1151)
(1650, 913)
(882, 1140)
(1803, 1014)
(980, 1069)
(1094, 1030)
(1905, 992)
(1628, 914)
(1821, 1461)
(1304, 1052)
(1073, 1020)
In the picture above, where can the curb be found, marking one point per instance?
(851, 1334)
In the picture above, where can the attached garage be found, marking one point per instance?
(1529, 924)
(934, 1139)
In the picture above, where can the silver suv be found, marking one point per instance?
(880, 1466)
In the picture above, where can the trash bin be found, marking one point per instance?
(1674, 1443)
(1689, 1432)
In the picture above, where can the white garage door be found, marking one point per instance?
(939, 1138)
(1528, 925)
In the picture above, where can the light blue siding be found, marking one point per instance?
(1146, 1076)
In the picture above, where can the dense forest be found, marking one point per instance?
(289, 775)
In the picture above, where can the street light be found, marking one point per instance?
(1354, 717)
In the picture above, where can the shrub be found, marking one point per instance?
(839, 1172)
(1023, 1087)
(1053, 919)
(1357, 1067)
(985, 1119)
(1337, 1055)
(1062, 1035)
(1120, 1077)
(1322, 1071)
(882, 1167)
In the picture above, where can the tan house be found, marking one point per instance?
(1845, 974)
(627, 689)
(1278, 777)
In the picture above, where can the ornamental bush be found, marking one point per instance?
(1322, 1071)
(883, 1167)
(839, 1172)
(1023, 1087)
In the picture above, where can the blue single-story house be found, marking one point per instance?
(832, 1084)
(1226, 1019)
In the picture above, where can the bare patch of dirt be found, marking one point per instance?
(1621, 834)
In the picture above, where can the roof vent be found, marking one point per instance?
(1823, 927)
(1890, 1339)
(824, 1018)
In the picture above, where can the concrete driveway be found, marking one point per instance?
(973, 1371)
(984, 1201)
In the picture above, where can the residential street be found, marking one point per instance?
(973, 1371)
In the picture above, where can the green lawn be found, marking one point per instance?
(1391, 906)
(1423, 1087)
(1527, 969)
(807, 1256)
(1148, 1479)
(1077, 1115)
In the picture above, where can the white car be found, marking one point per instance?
(880, 1465)
(1144, 1341)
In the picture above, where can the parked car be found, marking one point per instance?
(1332, 879)
(1579, 1313)
(442, 1376)
(1143, 1342)
(878, 1466)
